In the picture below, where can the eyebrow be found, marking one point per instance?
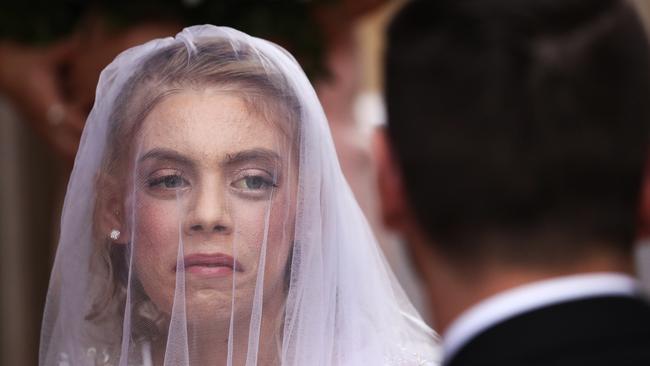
(231, 159)
(252, 155)
(167, 155)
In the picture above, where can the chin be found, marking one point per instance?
(215, 305)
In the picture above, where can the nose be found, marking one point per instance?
(208, 210)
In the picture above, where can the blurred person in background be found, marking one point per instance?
(513, 162)
(351, 97)
(51, 54)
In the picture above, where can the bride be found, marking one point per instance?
(207, 222)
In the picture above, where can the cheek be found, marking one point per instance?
(250, 223)
(157, 223)
(280, 239)
(156, 244)
(248, 220)
(281, 224)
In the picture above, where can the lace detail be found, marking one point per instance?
(93, 357)
(407, 357)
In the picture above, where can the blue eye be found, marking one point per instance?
(168, 181)
(253, 183)
(172, 181)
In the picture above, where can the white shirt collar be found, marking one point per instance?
(528, 297)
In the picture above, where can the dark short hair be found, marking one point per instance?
(520, 127)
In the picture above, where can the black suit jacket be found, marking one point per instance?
(613, 331)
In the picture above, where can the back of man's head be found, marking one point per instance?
(520, 127)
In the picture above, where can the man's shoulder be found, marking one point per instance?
(592, 331)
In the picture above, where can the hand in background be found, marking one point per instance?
(31, 77)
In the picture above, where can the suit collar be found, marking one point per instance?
(508, 304)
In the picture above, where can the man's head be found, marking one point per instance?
(519, 129)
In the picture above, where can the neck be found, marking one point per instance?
(453, 291)
(208, 340)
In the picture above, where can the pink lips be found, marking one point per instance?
(211, 265)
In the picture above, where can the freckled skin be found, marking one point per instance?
(213, 208)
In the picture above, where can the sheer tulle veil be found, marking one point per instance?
(207, 222)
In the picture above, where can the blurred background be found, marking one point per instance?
(51, 54)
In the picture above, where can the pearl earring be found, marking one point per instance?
(115, 234)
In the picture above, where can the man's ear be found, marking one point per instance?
(394, 207)
(109, 213)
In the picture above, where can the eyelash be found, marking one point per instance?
(267, 183)
(175, 181)
(163, 180)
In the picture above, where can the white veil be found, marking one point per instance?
(207, 221)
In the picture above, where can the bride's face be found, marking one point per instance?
(212, 184)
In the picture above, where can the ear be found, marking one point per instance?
(394, 207)
(109, 212)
